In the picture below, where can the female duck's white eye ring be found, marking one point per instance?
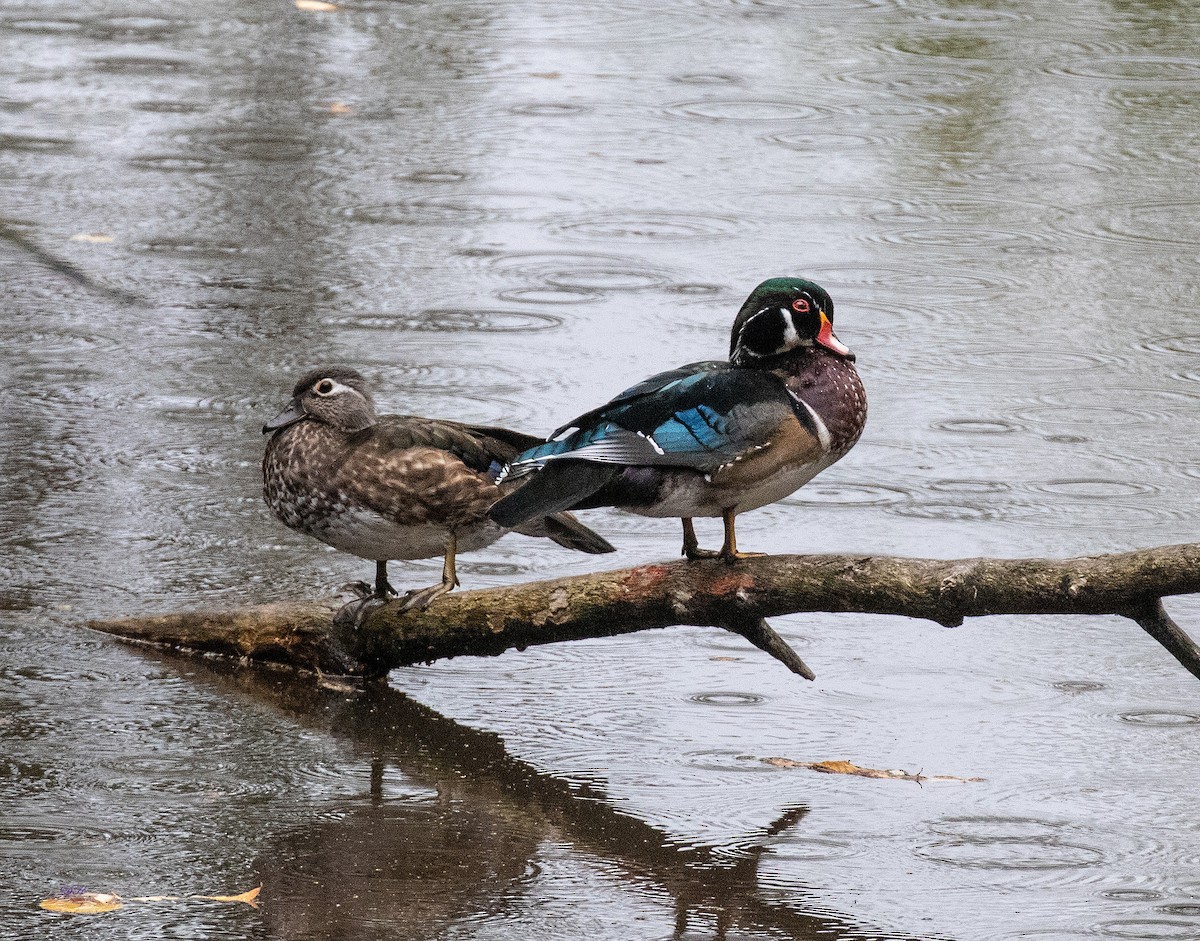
(324, 387)
(800, 305)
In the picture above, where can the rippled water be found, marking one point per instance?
(505, 213)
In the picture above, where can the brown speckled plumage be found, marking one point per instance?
(313, 472)
(392, 486)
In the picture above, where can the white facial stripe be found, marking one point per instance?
(336, 387)
(790, 336)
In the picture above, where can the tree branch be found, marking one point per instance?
(708, 593)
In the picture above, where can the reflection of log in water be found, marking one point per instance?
(413, 868)
(712, 594)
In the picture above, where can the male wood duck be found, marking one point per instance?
(712, 438)
(387, 487)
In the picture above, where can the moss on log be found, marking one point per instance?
(736, 597)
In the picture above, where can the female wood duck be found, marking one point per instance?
(713, 438)
(393, 486)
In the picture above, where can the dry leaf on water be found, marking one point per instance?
(94, 238)
(315, 6)
(90, 903)
(848, 767)
(94, 903)
(250, 898)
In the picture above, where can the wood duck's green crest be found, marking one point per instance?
(781, 315)
(335, 395)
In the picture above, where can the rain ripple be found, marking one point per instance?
(726, 761)
(1150, 222)
(458, 208)
(1127, 67)
(958, 235)
(1149, 928)
(1079, 408)
(818, 142)
(1038, 361)
(708, 78)
(142, 66)
(848, 494)
(923, 83)
(662, 226)
(1075, 687)
(548, 109)
(967, 17)
(978, 426)
(728, 699)
(936, 279)
(549, 295)
(1007, 843)
(1092, 488)
(1187, 344)
(745, 110)
(1160, 718)
(104, 29)
(452, 320)
(569, 277)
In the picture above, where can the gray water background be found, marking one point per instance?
(507, 212)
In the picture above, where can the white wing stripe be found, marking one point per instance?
(823, 434)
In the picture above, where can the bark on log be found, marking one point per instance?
(737, 597)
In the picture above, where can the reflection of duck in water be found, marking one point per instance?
(404, 869)
(711, 438)
(393, 486)
(501, 846)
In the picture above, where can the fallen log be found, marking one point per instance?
(735, 596)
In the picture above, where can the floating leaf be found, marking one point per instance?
(89, 903)
(94, 238)
(94, 903)
(848, 767)
(315, 6)
(545, 74)
(340, 107)
(250, 898)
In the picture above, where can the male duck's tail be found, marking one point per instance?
(556, 486)
(568, 532)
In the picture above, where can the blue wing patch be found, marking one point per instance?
(700, 428)
(700, 416)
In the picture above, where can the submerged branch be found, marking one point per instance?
(707, 593)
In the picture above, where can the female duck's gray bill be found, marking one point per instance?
(289, 416)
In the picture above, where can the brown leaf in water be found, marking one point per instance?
(250, 897)
(315, 6)
(848, 767)
(89, 903)
(94, 238)
(94, 903)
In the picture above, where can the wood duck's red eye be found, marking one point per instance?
(800, 305)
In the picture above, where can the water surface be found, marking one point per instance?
(506, 213)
